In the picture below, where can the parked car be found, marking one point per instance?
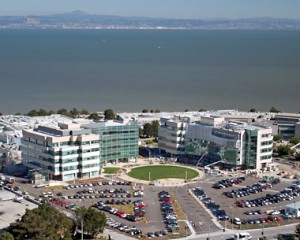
(242, 236)
(237, 221)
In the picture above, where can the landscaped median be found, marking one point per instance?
(111, 170)
(151, 173)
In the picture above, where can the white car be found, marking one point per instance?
(242, 236)
(237, 221)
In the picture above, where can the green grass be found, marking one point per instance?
(111, 170)
(161, 172)
(258, 226)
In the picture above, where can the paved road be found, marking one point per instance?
(195, 213)
(270, 233)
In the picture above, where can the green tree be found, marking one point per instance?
(280, 238)
(157, 110)
(94, 116)
(283, 150)
(93, 221)
(295, 140)
(84, 112)
(277, 138)
(51, 112)
(253, 110)
(42, 112)
(155, 126)
(109, 114)
(202, 110)
(63, 111)
(32, 113)
(1, 113)
(147, 129)
(74, 113)
(274, 110)
(6, 236)
(44, 222)
(141, 132)
(145, 110)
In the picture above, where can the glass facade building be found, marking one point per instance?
(118, 142)
(235, 143)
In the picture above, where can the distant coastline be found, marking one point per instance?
(82, 20)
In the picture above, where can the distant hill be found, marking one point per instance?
(82, 20)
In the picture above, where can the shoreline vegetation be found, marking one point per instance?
(74, 112)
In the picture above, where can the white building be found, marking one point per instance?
(236, 143)
(65, 153)
(293, 209)
(171, 134)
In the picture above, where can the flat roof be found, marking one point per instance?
(103, 124)
(294, 205)
(11, 211)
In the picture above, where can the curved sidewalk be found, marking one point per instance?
(168, 182)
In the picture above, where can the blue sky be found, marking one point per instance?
(201, 9)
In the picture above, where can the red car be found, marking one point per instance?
(139, 214)
(139, 206)
(120, 213)
(166, 200)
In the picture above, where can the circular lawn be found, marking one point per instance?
(160, 172)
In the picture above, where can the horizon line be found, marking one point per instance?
(91, 14)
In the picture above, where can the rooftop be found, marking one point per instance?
(19, 122)
(103, 124)
(294, 205)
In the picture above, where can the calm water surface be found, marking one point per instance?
(133, 70)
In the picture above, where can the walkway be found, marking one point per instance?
(115, 235)
(170, 182)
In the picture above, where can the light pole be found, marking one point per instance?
(81, 229)
(149, 153)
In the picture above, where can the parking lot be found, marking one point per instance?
(259, 202)
(150, 218)
(116, 195)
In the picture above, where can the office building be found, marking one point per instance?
(171, 134)
(288, 125)
(235, 143)
(118, 141)
(65, 152)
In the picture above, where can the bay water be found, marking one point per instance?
(130, 70)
